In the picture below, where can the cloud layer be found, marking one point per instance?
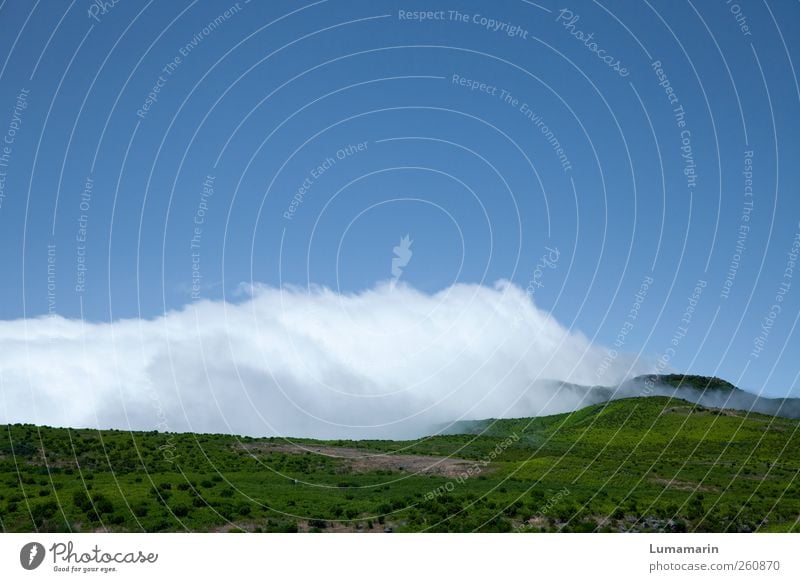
(391, 362)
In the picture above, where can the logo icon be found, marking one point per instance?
(31, 555)
(402, 255)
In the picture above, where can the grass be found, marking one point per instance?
(638, 464)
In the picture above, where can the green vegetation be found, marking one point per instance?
(691, 381)
(638, 464)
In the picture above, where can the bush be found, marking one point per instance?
(161, 496)
(351, 513)
(103, 504)
(81, 500)
(43, 511)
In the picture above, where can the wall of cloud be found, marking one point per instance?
(389, 362)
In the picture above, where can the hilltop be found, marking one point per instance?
(689, 380)
(704, 390)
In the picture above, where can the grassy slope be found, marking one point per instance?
(644, 464)
(700, 382)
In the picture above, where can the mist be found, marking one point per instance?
(389, 362)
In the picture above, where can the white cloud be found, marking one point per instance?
(391, 362)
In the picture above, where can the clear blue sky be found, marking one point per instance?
(272, 90)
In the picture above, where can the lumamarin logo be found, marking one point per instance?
(31, 555)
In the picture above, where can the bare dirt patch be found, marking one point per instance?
(304, 526)
(363, 461)
(680, 485)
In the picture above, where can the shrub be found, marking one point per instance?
(180, 510)
(103, 504)
(43, 511)
(81, 500)
(351, 513)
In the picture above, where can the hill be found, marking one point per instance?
(704, 390)
(719, 393)
(690, 381)
(633, 464)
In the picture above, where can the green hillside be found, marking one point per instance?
(692, 381)
(638, 464)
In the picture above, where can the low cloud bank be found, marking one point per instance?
(391, 362)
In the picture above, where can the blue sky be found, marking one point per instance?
(280, 94)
